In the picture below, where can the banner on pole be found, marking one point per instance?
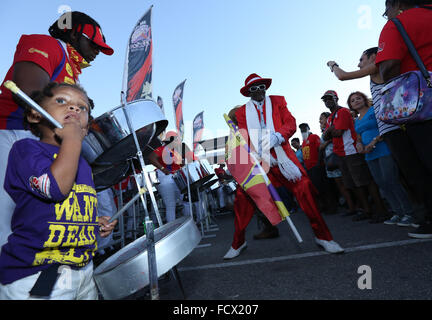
(160, 104)
(198, 128)
(247, 171)
(139, 64)
(178, 109)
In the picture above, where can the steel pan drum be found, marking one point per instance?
(104, 176)
(213, 183)
(198, 175)
(114, 136)
(126, 272)
(231, 186)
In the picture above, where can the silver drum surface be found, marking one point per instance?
(115, 139)
(126, 272)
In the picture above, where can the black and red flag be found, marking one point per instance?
(198, 128)
(178, 109)
(138, 66)
(160, 104)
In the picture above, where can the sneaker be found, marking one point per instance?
(424, 231)
(406, 221)
(329, 246)
(232, 253)
(361, 216)
(393, 220)
(379, 218)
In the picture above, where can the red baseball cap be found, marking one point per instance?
(330, 93)
(94, 33)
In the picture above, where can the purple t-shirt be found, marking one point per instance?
(47, 227)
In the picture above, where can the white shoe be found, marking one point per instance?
(330, 246)
(232, 253)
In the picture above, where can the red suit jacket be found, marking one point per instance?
(283, 122)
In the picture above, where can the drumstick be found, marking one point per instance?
(30, 102)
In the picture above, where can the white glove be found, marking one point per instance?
(276, 139)
(273, 161)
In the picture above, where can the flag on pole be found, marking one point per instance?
(247, 171)
(198, 128)
(138, 66)
(178, 109)
(249, 174)
(160, 104)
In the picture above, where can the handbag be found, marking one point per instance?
(408, 97)
(332, 161)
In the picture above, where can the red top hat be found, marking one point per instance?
(95, 34)
(252, 80)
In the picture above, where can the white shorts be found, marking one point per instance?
(71, 285)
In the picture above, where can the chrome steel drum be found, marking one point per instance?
(198, 175)
(126, 272)
(231, 186)
(116, 140)
(213, 183)
(104, 176)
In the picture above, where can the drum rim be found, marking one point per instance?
(127, 104)
(113, 257)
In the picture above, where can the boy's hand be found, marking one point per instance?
(105, 228)
(71, 130)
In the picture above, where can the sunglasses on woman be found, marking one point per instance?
(258, 87)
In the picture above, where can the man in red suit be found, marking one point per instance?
(267, 125)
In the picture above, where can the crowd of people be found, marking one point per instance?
(381, 171)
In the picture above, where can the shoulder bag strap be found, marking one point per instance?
(334, 116)
(413, 51)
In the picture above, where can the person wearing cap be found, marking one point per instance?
(267, 125)
(38, 60)
(355, 172)
(315, 170)
(167, 160)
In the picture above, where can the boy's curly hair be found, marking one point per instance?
(47, 92)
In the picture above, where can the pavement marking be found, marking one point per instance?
(304, 255)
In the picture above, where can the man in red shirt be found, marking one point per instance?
(38, 60)
(411, 146)
(310, 145)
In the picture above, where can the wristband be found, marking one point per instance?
(334, 65)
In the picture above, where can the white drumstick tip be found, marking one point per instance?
(11, 86)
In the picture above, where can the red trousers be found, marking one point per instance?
(303, 191)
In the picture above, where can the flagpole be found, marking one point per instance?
(263, 173)
(151, 250)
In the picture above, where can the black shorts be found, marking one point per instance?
(355, 171)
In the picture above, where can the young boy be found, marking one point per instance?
(55, 221)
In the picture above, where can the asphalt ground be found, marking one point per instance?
(380, 263)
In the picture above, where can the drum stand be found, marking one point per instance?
(151, 252)
(149, 227)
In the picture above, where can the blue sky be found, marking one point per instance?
(215, 45)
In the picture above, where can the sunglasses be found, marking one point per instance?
(327, 98)
(256, 88)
